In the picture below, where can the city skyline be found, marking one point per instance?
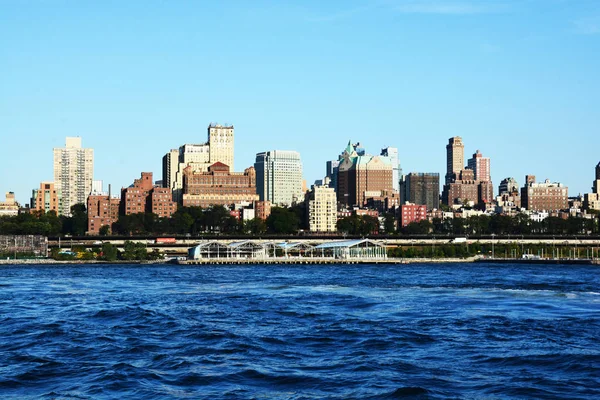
(515, 83)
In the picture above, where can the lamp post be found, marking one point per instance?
(493, 254)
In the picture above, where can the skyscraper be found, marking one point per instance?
(279, 177)
(421, 189)
(455, 157)
(332, 173)
(73, 174)
(220, 140)
(392, 154)
(480, 166)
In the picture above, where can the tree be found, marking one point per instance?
(389, 223)
(76, 224)
(255, 226)
(283, 221)
(109, 252)
(104, 230)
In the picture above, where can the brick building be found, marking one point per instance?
(46, 198)
(361, 178)
(422, 189)
(218, 186)
(144, 197)
(262, 209)
(410, 213)
(102, 210)
(547, 196)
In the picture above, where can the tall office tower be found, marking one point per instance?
(322, 210)
(332, 173)
(455, 157)
(392, 153)
(73, 174)
(480, 166)
(421, 189)
(220, 141)
(598, 172)
(279, 177)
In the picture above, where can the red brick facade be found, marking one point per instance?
(412, 213)
(144, 197)
(102, 211)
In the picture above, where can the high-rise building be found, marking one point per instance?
(322, 209)
(218, 186)
(480, 166)
(546, 196)
(463, 188)
(421, 189)
(455, 157)
(279, 177)
(392, 154)
(220, 141)
(363, 179)
(73, 174)
(218, 148)
(170, 166)
(46, 198)
(332, 173)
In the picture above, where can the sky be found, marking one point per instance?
(517, 80)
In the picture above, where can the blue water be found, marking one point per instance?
(300, 332)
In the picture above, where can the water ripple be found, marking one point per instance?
(300, 332)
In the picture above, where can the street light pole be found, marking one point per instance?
(493, 254)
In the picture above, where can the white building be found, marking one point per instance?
(73, 174)
(392, 154)
(322, 209)
(279, 177)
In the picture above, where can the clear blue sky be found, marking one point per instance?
(518, 80)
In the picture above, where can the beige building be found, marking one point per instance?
(46, 198)
(455, 157)
(73, 174)
(322, 209)
(220, 141)
(9, 207)
(218, 186)
(218, 148)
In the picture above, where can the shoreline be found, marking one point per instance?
(304, 261)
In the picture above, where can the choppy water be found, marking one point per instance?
(305, 332)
